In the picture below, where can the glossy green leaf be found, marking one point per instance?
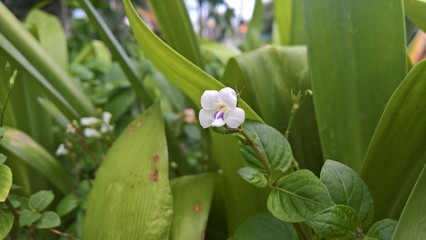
(337, 222)
(5, 182)
(6, 219)
(265, 226)
(352, 75)
(48, 219)
(253, 37)
(131, 196)
(298, 196)
(396, 151)
(271, 144)
(28, 217)
(176, 26)
(48, 30)
(16, 41)
(116, 49)
(412, 223)
(192, 196)
(253, 176)
(35, 156)
(40, 200)
(415, 11)
(271, 73)
(66, 205)
(190, 79)
(289, 27)
(382, 230)
(347, 188)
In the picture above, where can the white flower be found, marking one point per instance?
(89, 121)
(106, 128)
(220, 108)
(62, 150)
(106, 117)
(90, 132)
(70, 128)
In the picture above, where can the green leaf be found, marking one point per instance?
(383, 230)
(298, 196)
(252, 39)
(265, 226)
(412, 223)
(2, 131)
(253, 176)
(192, 196)
(415, 11)
(347, 188)
(54, 111)
(352, 77)
(3, 158)
(289, 25)
(131, 196)
(271, 144)
(190, 79)
(28, 217)
(271, 73)
(5, 182)
(67, 204)
(48, 219)
(6, 219)
(21, 145)
(40, 200)
(396, 151)
(176, 26)
(337, 222)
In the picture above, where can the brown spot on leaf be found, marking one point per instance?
(155, 158)
(197, 208)
(139, 124)
(154, 175)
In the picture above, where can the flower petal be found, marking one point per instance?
(234, 118)
(228, 97)
(210, 100)
(206, 117)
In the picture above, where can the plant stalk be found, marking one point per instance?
(257, 151)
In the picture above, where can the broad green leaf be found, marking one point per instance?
(15, 40)
(35, 156)
(6, 219)
(189, 78)
(253, 37)
(412, 223)
(298, 196)
(219, 51)
(192, 196)
(337, 222)
(28, 217)
(347, 188)
(54, 111)
(48, 219)
(271, 144)
(415, 11)
(116, 49)
(2, 158)
(289, 27)
(40, 200)
(67, 204)
(48, 30)
(5, 182)
(396, 151)
(352, 75)
(271, 73)
(382, 230)
(265, 226)
(253, 176)
(131, 196)
(176, 26)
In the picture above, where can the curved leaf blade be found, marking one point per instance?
(415, 11)
(6, 219)
(382, 230)
(5, 182)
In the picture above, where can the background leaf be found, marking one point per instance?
(6, 218)
(351, 85)
(5, 182)
(131, 196)
(382, 230)
(415, 11)
(40, 200)
(289, 27)
(402, 152)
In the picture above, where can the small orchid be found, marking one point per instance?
(220, 108)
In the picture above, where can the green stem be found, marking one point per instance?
(301, 232)
(290, 121)
(3, 110)
(257, 151)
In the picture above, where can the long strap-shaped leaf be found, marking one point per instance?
(176, 26)
(356, 61)
(189, 78)
(415, 11)
(15, 33)
(396, 154)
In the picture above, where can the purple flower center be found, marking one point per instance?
(219, 115)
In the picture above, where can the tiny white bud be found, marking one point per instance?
(89, 121)
(91, 133)
(62, 150)
(106, 117)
